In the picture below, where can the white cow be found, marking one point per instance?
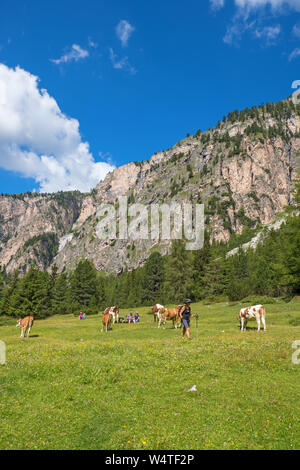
(155, 310)
(250, 313)
(114, 312)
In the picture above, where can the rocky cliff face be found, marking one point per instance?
(242, 171)
(31, 226)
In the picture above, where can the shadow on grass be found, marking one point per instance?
(249, 328)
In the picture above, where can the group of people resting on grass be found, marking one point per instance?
(133, 318)
(130, 318)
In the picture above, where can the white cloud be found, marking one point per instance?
(124, 30)
(216, 4)
(245, 9)
(296, 30)
(294, 54)
(248, 5)
(235, 30)
(75, 54)
(269, 33)
(121, 64)
(92, 44)
(37, 140)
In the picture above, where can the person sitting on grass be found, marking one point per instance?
(136, 317)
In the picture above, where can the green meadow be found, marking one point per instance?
(69, 386)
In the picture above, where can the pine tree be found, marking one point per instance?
(153, 279)
(111, 290)
(30, 295)
(132, 299)
(59, 301)
(200, 261)
(178, 274)
(83, 286)
(215, 278)
(8, 301)
(291, 258)
(54, 274)
(121, 294)
(101, 291)
(236, 277)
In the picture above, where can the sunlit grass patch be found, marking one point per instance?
(70, 386)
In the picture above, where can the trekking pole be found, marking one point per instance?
(197, 325)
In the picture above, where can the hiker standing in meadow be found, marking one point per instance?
(185, 315)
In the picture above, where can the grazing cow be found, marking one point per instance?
(171, 314)
(114, 311)
(155, 311)
(25, 324)
(106, 321)
(250, 313)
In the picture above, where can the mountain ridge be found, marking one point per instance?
(243, 170)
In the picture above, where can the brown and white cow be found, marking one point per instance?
(171, 314)
(106, 321)
(25, 324)
(155, 311)
(114, 311)
(256, 312)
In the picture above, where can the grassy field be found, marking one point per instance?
(71, 387)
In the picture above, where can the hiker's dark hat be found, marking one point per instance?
(188, 301)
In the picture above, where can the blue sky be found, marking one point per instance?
(125, 79)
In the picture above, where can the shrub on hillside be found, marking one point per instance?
(215, 300)
(259, 299)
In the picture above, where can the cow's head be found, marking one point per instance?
(18, 322)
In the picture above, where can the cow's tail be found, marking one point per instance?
(262, 311)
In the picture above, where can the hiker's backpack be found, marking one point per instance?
(180, 309)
